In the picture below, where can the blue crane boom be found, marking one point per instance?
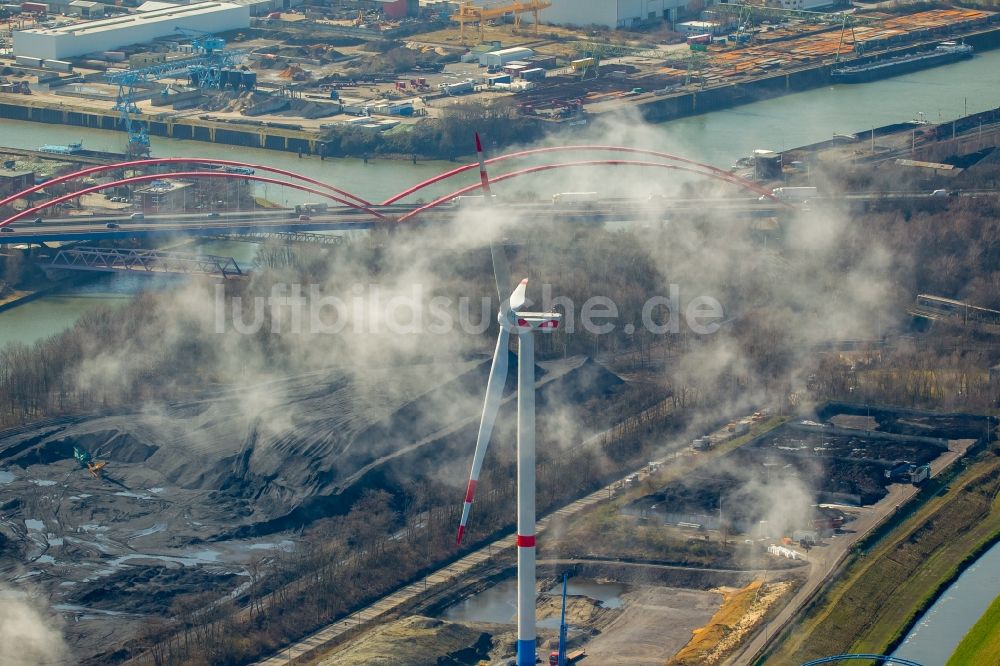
(202, 69)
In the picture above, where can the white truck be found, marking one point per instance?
(793, 193)
(574, 197)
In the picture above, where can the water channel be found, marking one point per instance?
(719, 137)
(498, 604)
(939, 631)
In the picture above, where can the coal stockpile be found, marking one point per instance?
(190, 493)
(845, 457)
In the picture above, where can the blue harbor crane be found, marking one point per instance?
(203, 69)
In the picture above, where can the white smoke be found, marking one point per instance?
(28, 636)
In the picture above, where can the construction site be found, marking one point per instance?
(287, 79)
(742, 524)
(120, 516)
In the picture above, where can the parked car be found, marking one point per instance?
(112, 225)
(38, 220)
(7, 230)
(304, 218)
(213, 214)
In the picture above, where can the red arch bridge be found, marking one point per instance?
(348, 211)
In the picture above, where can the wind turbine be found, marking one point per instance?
(512, 319)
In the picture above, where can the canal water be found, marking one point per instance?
(936, 635)
(498, 604)
(720, 138)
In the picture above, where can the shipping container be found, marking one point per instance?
(28, 61)
(533, 74)
(58, 65)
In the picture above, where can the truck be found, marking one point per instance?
(574, 197)
(792, 193)
(467, 200)
(311, 208)
(700, 39)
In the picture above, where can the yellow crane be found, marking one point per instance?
(469, 12)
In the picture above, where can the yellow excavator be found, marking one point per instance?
(86, 460)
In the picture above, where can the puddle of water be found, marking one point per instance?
(206, 555)
(46, 559)
(158, 527)
(6, 477)
(281, 545)
(609, 594)
(498, 604)
(33, 524)
(126, 493)
(43, 482)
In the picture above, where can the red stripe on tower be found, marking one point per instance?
(525, 541)
(470, 491)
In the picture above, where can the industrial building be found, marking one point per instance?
(613, 13)
(93, 36)
(12, 180)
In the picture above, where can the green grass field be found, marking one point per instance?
(982, 644)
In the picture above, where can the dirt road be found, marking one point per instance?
(657, 622)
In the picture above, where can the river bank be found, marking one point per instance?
(947, 616)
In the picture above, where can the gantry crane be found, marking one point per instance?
(469, 12)
(596, 51)
(748, 14)
(203, 69)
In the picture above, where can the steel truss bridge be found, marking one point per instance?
(151, 262)
(285, 237)
(363, 212)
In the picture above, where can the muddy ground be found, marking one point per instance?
(193, 491)
(651, 624)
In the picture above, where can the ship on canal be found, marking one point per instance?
(879, 69)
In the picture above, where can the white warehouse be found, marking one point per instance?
(612, 13)
(76, 40)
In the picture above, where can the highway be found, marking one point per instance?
(88, 228)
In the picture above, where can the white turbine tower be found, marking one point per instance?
(523, 324)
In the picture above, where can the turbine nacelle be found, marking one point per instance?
(513, 319)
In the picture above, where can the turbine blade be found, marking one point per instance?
(491, 406)
(501, 271)
(517, 299)
(483, 178)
